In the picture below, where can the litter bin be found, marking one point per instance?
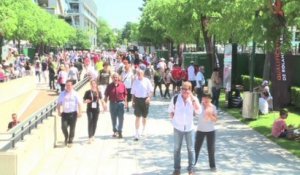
(250, 105)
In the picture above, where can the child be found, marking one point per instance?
(280, 128)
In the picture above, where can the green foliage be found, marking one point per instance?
(81, 40)
(106, 36)
(24, 20)
(246, 82)
(240, 21)
(130, 32)
(8, 19)
(295, 96)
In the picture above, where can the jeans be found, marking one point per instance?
(167, 91)
(117, 113)
(157, 84)
(92, 121)
(199, 92)
(210, 139)
(178, 137)
(215, 96)
(68, 120)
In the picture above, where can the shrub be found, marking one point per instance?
(295, 96)
(246, 82)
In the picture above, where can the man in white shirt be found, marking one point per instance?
(69, 108)
(182, 113)
(192, 75)
(141, 91)
(200, 83)
(127, 77)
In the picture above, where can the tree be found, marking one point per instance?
(81, 40)
(106, 36)
(8, 21)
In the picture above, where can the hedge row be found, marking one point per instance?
(295, 96)
(246, 82)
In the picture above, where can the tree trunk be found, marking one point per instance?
(19, 46)
(267, 66)
(1, 45)
(208, 40)
(180, 48)
(197, 40)
(234, 71)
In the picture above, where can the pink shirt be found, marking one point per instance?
(278, 127)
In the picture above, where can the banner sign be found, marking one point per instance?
(227, 67)
(279, 74)
(279, 77)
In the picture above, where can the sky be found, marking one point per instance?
(118, 12)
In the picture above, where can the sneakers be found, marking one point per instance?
(191, 173)
(214, 169)
(120, 135)
(136, 137)
(115, 134)
(176, 172)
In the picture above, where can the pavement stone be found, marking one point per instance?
(239, 150)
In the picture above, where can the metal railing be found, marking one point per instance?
(9, 139)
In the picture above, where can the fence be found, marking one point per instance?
(16, 134)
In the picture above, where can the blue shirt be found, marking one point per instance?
(69, 101)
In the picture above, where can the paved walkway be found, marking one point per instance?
(239, 150)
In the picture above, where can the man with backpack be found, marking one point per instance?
(182, 109)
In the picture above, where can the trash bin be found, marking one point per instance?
(250, 105)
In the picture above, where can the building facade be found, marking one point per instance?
(81, 14)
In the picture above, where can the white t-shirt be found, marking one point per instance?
(141, 88)
(191, 73)
(205, 125)
(200, 77)
(127, 78)
(263, 105)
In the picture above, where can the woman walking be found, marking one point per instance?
(92, 98)
(206, 128)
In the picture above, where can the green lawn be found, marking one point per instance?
(264, 125)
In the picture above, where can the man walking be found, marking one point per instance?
(141, 91)
(181, 109)
(117, 94)
(69, 108)
(200, 83)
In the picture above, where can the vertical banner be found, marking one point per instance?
(227, 67)
(279, 77)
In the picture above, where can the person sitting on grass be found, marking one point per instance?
(280, 129)
(263, 104)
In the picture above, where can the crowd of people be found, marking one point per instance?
(116, 79)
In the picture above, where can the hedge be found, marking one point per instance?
(295, 96)
(246, 82)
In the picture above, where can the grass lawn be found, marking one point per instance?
(264, 124)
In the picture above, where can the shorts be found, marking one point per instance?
(141, 109)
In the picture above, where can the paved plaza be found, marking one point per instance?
(239, 150)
